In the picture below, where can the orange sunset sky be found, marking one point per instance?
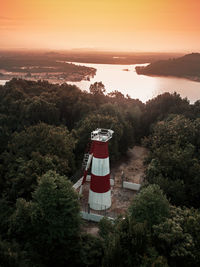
(136, 25)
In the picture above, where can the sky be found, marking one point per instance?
(123, 25)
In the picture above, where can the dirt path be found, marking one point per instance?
(90, 228)
(133, 167)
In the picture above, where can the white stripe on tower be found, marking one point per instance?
(100, 201)
(100, 167)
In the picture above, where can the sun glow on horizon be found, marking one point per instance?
(144, 25)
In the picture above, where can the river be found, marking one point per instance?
(124, 79)
(2, 82)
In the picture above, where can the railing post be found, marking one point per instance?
(88, 207)
(122, 176)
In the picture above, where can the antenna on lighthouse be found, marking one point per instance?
(100, 193)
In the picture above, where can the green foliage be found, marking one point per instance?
(73, 104)
(178, 237)
(31, 153)
(91, 253)
(174, 162)
(127, 245)
(152, 234)
(97, 88)
(39, 211)
(49, 225)
(11, 256)
(40, 110)
(106, 228)
(44, 139)
(160, 107)
(116, 94)
(174, 130)
(150, 206)
(6, 210)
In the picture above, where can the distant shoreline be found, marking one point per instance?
(192, 78)
(54, 81)
(186, 67)
(57, 77)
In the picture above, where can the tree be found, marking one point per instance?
(44, 139)
(129, 244)
(150, 206)
(91, 251)
(174, 161)
(31, 153)
(12, 256)
(160, 107)
(39, 110)
(116, 94)
(49, 225)
(178, 237)
(106, 228)
(22, 176)
(97, 88)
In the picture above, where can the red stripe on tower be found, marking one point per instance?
(100, 149)
(100, 184)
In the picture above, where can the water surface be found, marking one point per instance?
(116, 77)
(2, 82)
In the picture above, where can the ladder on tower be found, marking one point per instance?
(87, 159)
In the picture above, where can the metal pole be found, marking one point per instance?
(88, 207)
(122, 176)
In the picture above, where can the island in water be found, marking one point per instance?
(42, 66)
(187, 67)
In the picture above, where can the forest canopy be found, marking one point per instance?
(44, 130)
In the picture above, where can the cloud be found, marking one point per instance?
(10, 24)
(10, 19)
(6, 18)
(7, 27)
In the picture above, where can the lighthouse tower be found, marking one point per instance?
(100, 194)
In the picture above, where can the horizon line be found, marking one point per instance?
(98, 50)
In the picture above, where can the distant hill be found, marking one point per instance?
(187, 66)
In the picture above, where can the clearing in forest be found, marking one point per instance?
(132, 169)
(132, 166)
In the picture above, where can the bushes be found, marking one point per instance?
(174, 162)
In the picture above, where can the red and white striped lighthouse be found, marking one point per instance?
(100, 194)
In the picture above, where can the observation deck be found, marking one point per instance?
(102, 135)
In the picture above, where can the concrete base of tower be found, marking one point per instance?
(99, 201)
